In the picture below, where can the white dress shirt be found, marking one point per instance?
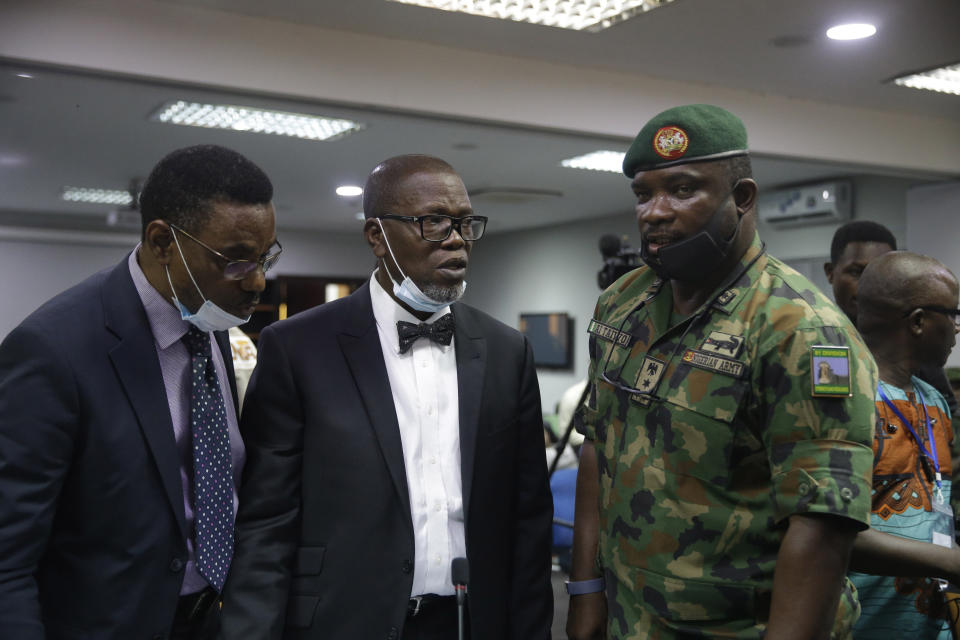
(423, 382)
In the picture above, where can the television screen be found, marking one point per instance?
(550, 336)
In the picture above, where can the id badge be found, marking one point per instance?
(943, 527)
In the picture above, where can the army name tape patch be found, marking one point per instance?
(830, 371)
(609, 333)
(713, 362)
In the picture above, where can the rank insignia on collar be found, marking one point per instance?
(830, 371)
(726, 297)
(723, 344)
(647, 379)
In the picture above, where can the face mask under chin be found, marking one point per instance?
(209, 317)
(430, 301)
(689, 259)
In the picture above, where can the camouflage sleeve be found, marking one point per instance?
(819, 448)
(586, 417)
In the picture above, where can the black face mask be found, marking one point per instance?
(701, 253)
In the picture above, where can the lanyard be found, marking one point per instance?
(923, 449)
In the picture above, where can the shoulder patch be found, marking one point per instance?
(830, 371)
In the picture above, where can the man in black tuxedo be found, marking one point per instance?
(112, 395)
(376, 454)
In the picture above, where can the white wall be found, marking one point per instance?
(36, 270)
(877, 198)
(933, 229)
(39, 265)
(545, 270)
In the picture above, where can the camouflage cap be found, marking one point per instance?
(691, 133)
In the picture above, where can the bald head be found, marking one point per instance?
(895, 283)
(380, 191)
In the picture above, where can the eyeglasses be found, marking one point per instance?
(436, 227)
(238, 269)
(953, 313)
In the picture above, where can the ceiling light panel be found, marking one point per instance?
(580, 15)
(349, 191)
(97, 196)
(597, 161)
(851, 31)
(235, 118)
(945, 80)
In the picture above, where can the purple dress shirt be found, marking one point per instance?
(168, 329)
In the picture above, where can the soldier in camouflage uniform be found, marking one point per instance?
(722, 459)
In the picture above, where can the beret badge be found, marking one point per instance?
(670, 142)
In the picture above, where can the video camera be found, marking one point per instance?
(618, 259)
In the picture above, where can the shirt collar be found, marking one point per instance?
(165, 322)
(387, 312)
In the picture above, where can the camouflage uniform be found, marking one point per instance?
(698, 477)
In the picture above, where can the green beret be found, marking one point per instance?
(690, 133)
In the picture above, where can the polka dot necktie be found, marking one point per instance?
(212, 464)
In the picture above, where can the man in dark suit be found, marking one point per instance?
(375, 457)
(119, 445)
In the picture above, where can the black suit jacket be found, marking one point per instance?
(325, 538)
(92, 533)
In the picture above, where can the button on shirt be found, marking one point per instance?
(168, 329)
(423, 382)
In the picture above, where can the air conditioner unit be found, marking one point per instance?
(822, 203)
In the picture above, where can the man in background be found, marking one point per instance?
(388, 433)
(908, 316)
(119, 448)
(854, 245)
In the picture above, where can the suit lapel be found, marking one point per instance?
(471, 350)
(135, 360)
(360, 344)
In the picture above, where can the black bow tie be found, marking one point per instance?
(440, 332)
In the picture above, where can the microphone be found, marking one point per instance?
(609, 245)
(460, 576)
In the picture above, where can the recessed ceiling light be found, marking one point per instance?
(943, 79)
(597, 161)
(855, 31)
(349, 191)
(11, 160)
(97, 196)
(589, 15)
(236, 118)
(25, 75)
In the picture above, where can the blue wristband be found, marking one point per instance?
(582, 587)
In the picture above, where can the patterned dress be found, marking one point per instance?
(906, 504)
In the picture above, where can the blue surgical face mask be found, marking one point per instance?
(408, 292)
(209, 317)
